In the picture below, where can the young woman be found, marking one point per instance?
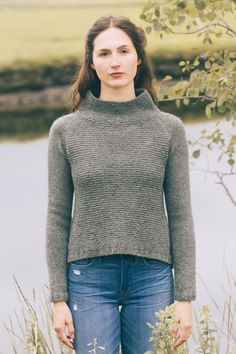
(125, 162)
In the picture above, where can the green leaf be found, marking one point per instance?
(196, 62)
(181, 5)
(142, 16)
(188, 27)
(231, 162)
(233, 139)
(209, 40)
(157, 12)
(211, 16)
(148, 29)
(196, 153)
(207, 64)
(209, 146)
(200, 4)
(173, 22)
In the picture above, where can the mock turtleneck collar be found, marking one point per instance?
(101, 111)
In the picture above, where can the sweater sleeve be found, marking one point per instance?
(60, 198)
(179, 213)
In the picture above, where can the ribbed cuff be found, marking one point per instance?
(187, 297)
(56, 297)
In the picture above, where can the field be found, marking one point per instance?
(51, 29)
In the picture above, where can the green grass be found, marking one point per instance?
(43, 32)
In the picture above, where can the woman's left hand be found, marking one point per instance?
(183, 326)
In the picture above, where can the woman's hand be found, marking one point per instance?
(63, 318)
(183, 316)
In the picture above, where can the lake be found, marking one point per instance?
(23, 191)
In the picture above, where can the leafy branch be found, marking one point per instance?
(212, 74)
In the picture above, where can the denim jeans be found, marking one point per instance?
(112, 297)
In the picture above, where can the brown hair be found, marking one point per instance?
(87, 79)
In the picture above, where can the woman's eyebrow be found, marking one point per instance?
(122, 46)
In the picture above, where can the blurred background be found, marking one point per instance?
(41, 44)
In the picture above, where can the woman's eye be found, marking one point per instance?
(105, 53)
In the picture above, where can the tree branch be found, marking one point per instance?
(226, 26)
(183, 97)
(220, 176)
(221, 182)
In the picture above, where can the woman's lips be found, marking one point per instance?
(116, 75)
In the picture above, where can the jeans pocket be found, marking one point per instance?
(84, 262)
(153, 262)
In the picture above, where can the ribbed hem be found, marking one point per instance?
(142, 252)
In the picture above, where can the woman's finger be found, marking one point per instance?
(63, 338)
(71, 329)
(184, 334)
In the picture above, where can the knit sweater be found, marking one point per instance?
(118, 183)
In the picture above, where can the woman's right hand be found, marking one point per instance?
(63, 318)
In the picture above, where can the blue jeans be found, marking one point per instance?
(98, 286)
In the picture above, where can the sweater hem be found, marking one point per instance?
(119, 250)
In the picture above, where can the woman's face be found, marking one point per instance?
(114, 52)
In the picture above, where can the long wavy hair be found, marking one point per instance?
(86, 78)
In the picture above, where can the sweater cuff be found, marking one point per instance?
(58, 297)
(185, 297)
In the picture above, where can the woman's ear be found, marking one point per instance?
(139, 61)
(92, 66)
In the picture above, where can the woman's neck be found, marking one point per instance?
(122, 94)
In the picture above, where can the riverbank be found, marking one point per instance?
(27, 115)
(33, 94)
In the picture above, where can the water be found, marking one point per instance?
(23, 191)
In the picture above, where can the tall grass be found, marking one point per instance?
(35, 323)
(36, 335)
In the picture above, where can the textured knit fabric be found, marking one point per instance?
(118, 183)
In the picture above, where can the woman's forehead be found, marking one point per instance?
(111, 38)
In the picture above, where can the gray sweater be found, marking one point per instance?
(118, 183)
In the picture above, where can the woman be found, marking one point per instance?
(123, 160)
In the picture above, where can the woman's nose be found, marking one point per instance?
(114, 60)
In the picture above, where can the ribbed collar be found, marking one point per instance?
(115, 112)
